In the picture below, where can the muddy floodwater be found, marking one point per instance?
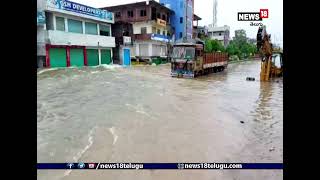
(141, 114)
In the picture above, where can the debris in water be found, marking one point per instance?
(272, 149)
(251, 79)
(242, 122)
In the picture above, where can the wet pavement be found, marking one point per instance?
(141, 114)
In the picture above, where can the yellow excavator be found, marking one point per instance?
(269, 56)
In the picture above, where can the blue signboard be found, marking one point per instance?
(159, 37)
(41, 18)
(79, 8)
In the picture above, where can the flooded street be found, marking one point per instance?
(141, 114)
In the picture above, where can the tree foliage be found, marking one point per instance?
(240, 46)
(212, 45)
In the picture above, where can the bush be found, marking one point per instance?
(212, 45)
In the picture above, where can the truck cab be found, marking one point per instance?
(186, 59)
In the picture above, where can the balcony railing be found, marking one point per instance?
(141, 37)
(156, 37)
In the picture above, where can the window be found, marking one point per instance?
(181, 19)
(75, 26)
(180, 34)
(154, 13)
(219, 34)
(143, 12)
(91, 28)
(164, 32)
(143, 30)
(189, 53)
(181, 4)
(158, 15)
(158, 31)
(130, 13)
(49, 21)
(104, 30)
(198, 52)
(164, 17)
(60, 24)
(168, 34)
(118, 14)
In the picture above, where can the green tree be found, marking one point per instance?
(241, 46)
(240, 37)
(233, 49)
(212, 45)
(208, 46)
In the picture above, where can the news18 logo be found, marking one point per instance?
(254, 16)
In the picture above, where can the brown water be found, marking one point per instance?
(141, 114)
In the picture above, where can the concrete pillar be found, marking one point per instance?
(68, 56)
(150, 49)
(83, 27)
(47, 56)
(66, 29)
(98, 28)
(111, 55)
(99, 53)
(54, 22)
(110, 29)
(85, 56)
(137, 49)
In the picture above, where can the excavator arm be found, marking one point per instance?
(264, 47)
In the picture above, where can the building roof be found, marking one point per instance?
(195, 17)
(188, 41)
(141, 3)
(222, 28)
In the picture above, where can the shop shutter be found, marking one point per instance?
(58, 57)
(76, 57)
(105, 56)
(92, 57)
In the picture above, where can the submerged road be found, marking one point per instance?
(141, 114)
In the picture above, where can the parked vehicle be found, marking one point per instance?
(189, 60)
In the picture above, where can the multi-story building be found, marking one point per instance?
(196, 31)
(74, 34)
(122, 31)
(182, 20)
(151, 29)
(221, 34)
(41, 31)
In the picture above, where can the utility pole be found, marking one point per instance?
(214, 19)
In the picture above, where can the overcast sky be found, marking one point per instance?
(227, 14)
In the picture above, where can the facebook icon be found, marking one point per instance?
(70, 165)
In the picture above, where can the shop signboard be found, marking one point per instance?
(41, 18)
(79, 8)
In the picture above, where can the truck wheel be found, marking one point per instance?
(214, 70)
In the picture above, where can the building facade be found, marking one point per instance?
(151, 29)
(122, 31)
(196, 28)
(182, 20)
(41, 32)
(74, 35)
(221, 34)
